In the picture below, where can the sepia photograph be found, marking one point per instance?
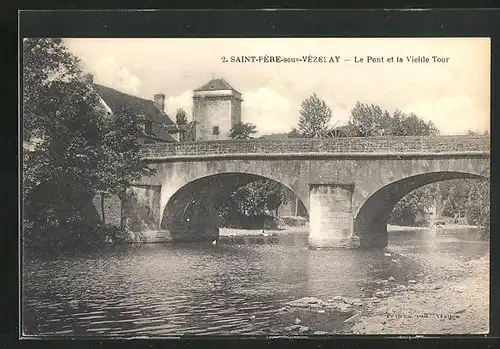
(291, 187)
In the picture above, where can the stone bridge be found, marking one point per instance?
(348, 185)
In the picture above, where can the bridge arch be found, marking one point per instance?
(191, 210)
(370, 222)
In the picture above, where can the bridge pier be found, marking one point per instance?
(330, 216)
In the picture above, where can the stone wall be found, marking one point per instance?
(213, 112)
(112, 209)
(141, 210)
(341, 145)
(380, 169)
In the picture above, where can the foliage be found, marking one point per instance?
(465, 200)
(242, 131)
(469, 199)
(258, 197)
(75, 149)
(73, 236)
(371, 120)
(478, 212)
(411, 125)
(181, 117)
(294, 133)
(119, 161)
(254, 199)
(315, 116)
(410, 209)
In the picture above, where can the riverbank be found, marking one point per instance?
(457, 304)
(233, 232)
(447, 227)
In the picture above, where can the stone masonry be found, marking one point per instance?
(380, 171)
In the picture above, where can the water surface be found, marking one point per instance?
(232, 288)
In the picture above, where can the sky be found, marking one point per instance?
(455, 95)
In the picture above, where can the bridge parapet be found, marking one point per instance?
(305, 146)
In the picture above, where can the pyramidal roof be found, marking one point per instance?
(216, 84)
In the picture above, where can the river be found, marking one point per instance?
(236, 287)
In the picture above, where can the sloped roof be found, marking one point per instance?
(347, 129)
(275, 136)
(216, 84)
(161, 132)
(123, 102)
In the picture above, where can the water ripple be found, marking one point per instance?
(171, 290)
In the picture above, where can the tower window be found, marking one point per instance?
(215, 130)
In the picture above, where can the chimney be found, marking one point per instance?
(88, 78)
(159, 100)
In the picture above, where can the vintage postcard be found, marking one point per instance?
(255, 186)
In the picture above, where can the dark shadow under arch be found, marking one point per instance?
(370, 223)
(190, 214)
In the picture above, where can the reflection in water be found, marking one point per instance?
(163, 289)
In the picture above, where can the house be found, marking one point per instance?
(156, 125)
(342, 131)
(275, 136)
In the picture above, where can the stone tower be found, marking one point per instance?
(216, 108)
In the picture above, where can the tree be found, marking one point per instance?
(181, 117)
(120, 163)
(254, 199)
(408, 209)
(75, 148)
(478, 212)
(242, 131)
(60, 123)
(460, 198)
(294, 133)
(370, 120)
(469, 199)
(315, 116)
(411, 125)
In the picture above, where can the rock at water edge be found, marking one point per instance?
(352, 318)
(320, 333)
(304, 329)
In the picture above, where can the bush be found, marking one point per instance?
(71, 235)
(109, 234)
